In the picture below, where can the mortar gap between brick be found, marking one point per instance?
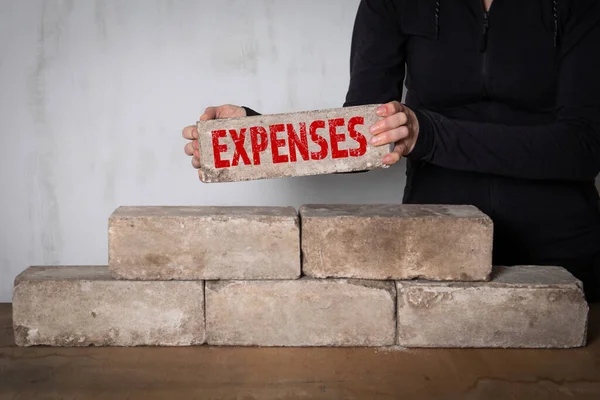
(396, 339)
(204, 311)
(300, 243)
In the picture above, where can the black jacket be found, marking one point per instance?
(508, 104)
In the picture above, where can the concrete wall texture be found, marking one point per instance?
(94, 94)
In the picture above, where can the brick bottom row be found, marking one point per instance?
(521, 307)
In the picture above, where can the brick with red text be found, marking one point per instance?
(286, 145)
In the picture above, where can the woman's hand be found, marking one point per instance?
(191, 132)
(399, 126)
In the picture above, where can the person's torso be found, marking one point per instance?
(506, 75)
(499, 68)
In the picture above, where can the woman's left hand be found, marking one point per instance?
(399, 126)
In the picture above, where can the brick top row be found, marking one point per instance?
(379, 242)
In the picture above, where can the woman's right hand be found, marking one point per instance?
(191, 132)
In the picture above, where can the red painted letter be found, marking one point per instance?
(277, 143)
(258, 146)
(356, 135)
(337, 138)
(219, 148)
(315, 137)
(240, 151)
(298, 144)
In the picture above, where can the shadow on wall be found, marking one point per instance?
(378, 186)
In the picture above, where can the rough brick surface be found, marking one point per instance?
(187, 243)
(434, 242)
(82, 306)
(294, 144)
(304, 312)
(528, 306)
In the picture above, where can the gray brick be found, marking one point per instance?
(187, 243)
(80, 306)
(395, 241)
(304, 312)
(292, 144)
(522, 307)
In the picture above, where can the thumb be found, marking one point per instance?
(209, 113)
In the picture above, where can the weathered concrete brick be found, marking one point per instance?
(523, 307)
(434, 242)
(294, 144)
(304, 312)
(82, 306)
(187, 243)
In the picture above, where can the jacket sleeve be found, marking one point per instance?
(250, 112)
(377, 55)
(566, 149)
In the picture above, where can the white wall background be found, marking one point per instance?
(94, 94)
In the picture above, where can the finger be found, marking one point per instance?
(209, 113)
(396, 155)
(400, 149)
(197, 154)
(391, 159)
(195, 162)
(390, 136)
(392, 122)
(190, 132)
(189, 149)
(390, 108)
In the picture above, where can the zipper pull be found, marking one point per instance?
(486, 26)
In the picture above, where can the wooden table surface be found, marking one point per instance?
(308, 373)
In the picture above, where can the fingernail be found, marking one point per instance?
(380, 111)
(375, 140)
(196, 153)
(373, 128)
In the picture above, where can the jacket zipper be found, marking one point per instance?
(486, 27)
(483, 49)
